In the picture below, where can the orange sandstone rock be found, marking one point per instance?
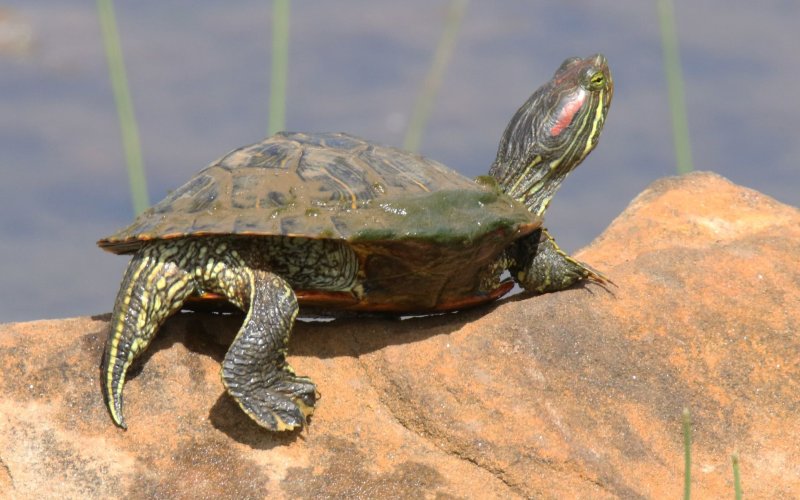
(572, 394)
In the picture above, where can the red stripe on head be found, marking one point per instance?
(568, 112)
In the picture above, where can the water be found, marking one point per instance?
(199, 75)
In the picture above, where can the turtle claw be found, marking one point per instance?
(596, 276)
(283, 406)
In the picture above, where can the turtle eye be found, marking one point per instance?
(595, 80)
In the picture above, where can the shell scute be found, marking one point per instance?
(326, 186)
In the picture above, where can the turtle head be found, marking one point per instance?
(554, 131)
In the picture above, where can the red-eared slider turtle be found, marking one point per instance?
(334, 221)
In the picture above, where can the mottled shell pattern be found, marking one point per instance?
(333, 186)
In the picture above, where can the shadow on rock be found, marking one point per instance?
(227, 417)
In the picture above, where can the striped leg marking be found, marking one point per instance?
(154, 287)
(161, 276)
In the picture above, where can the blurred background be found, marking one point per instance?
(199, 78)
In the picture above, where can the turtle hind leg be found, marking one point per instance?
(153, 288)
(541, 266)
(255, 371)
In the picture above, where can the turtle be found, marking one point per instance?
(333, 222)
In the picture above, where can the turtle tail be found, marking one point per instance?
(155, 286)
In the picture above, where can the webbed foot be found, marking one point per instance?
(280, 404)
(255, 370)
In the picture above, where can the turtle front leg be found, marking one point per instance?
(153, 288)
(255, 370)
(540, 266)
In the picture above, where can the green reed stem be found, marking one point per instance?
(122, 96)
(737, 482)
(687, 454)
(677, 101)
(441, 58)
(280, 64)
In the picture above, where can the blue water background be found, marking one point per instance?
(199, 75)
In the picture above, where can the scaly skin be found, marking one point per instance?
(540, 266)
(255, 371)
(162, 275)
(545, 140)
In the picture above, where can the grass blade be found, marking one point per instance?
(677, 101)
(280, 64)
(687, 454)
(737, 482)
(122, 96)
(441, 58)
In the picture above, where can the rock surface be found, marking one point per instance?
(571, 394)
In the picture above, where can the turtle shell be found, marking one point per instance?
(329, 186)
